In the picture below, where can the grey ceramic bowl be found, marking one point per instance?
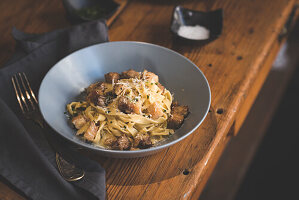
(68, 78)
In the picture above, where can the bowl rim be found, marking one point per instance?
(147, 150)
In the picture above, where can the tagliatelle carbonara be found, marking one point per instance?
(129, 111)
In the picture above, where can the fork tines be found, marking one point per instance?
(24, 92)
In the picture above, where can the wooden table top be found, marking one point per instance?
(236, 65)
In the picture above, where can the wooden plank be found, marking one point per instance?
(260, 78)
(231, 78)
(122, 5)
(236, 58)
(233, 164)
(7, 193)
(30, 16)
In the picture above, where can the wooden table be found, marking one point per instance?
(236, 66)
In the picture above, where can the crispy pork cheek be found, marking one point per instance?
(130, 74)
(112, 77)
(91, 132)
(79, 121)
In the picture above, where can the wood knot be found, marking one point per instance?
(239, 58)
(219, 111)
(186, 172)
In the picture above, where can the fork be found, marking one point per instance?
(30, 109)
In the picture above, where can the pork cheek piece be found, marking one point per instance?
(127, 106)
(79, 121)
(130, 74)
(95, 94)
(122, 143)
(91, 132)
(142, 141)
(178, 113)
(112, 77)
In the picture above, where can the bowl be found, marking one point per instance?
(71, 75)
(196, 25)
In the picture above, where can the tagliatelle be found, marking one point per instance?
(151, 108)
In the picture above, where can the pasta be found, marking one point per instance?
(129, 111)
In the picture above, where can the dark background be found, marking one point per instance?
(273, 173)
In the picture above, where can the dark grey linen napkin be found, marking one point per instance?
(26, 159)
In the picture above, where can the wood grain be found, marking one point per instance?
(231, 64)
(122, 5)
(237, 59)
(235, 160)
(8, 194)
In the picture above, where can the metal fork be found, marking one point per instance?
(30, 109)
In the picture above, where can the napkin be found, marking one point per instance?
(27, 161)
